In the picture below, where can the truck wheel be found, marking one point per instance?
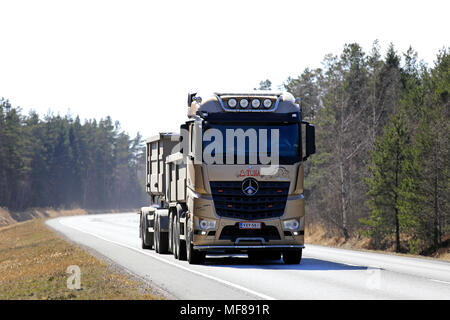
(193, 256)
(161, 238)
(179, 247)
(170, 236)
(292, 257)
(146, 236)
(163, 242)
(174, 235)
(156, 233)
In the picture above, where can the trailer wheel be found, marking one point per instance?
(193, 256)
(156, 235)
(170, 236)
(292, 257)
(163, 242)
(174, 237)
(179, 248)
(161, 238)
(146, 236)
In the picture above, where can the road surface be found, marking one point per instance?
(324, 273)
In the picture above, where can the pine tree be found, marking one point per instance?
(391, 183)
(433, 143)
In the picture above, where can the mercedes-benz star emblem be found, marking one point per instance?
(250, 186)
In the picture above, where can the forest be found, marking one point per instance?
(61, 162)
(381, 169)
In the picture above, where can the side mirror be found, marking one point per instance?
(310, 140)
(191, 98)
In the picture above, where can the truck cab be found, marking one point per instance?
(231, 180)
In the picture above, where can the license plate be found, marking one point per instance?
(249, 225)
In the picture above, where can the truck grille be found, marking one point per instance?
(233, 232)
(231, 202)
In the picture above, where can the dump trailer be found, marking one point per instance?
(231, 181)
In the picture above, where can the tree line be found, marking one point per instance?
(60, 162)
(382, 135)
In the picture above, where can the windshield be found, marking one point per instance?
(252, 144)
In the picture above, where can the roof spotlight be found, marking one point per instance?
(267, 103)
(256, 103)
(243, 103)
(232, 103)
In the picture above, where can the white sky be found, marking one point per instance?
(137, 60)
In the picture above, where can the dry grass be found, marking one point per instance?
(5, 217)
(318, 234)
(9, 218)
(33, 264)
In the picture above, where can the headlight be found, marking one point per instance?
(232, 103)
(243, 103)
(292, 224)
(267, 103)
(204, 224)
(256, 103)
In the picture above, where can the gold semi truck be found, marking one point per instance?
(231, 181)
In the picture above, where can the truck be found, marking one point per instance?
(231, 181)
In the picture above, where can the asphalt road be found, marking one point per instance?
(324, 273)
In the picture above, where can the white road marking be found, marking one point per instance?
(236, 286)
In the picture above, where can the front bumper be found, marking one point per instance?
(240, 248)
(227, 235)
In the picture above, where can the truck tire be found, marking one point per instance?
(180, 249)
(193, 256)
(174, 237)
(161, 238)
(156, 236)
(170, 236)
(156, 242)
(292, 257)
(146, 236)
(163, 242)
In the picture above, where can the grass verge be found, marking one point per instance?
(33, 264)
